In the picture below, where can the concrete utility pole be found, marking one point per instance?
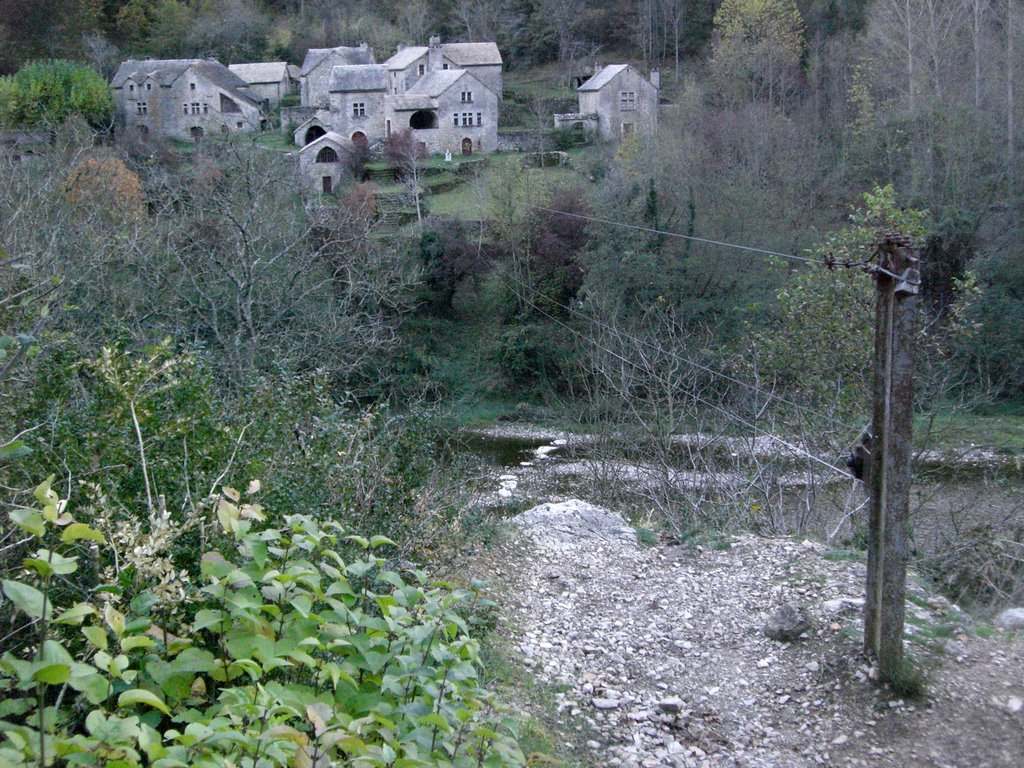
(897, 280)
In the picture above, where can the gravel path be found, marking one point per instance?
(661, 660)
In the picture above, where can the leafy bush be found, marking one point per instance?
(295, 657)
(49, 92)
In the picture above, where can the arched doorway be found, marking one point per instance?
(313, 133)
(358, 137)
(195, 132)
(423, 119)
(467, 146)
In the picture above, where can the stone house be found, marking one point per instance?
(269, 81)
(447, 111)
(420, 88)
(615, 103)
(357, 98)
(315, 75)
(326, 163)
(183, 98)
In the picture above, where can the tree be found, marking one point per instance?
(760, 43)
(406, 153)
(49, 92)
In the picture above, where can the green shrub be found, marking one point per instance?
(296, 656)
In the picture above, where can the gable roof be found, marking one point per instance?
(293, 71)
(602, 78)
(330, 137)
(261, 72)
(166, 71)
(406, 56)
(342, 55)
(471, 54)
(433, 84)
(351, 79)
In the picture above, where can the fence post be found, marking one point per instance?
(897, 284)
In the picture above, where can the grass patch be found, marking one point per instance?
(547, 737)
(845, 556)
(645, 537)
(909, 680)
(999, 427)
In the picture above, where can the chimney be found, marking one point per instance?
(597, 67)
(435, 58)
(656, 79)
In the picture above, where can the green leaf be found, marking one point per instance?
(75, 614)
(29, 599)
(137, 641)
(77, 531)
(380, 541)
(29, 521)
(97, 636)
(53, 674)
(14, 450)
(142, 696)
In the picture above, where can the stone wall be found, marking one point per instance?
(525, 141)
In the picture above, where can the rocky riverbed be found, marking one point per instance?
(658, 656)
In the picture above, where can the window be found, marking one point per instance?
(149, 86)
(239, 124)
(467, 97)
(184, 109)
(419, 69)
(141, 108)
(627, 100)
(359, 109)
(191, 86)
(445, 65)
(206, 109)
(456, 119)
(467, 118)
(479, 118)
(327, 155)
(195, 107)
(131, 88)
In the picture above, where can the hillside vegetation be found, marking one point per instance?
(180, 322)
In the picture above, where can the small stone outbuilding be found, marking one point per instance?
(326, 163)
(624, 101)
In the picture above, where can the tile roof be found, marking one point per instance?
(406, 56)
(261, 72)
(366, 77)
(433, 84)
(471, 54)
(328, 138)
(602, 78)
(343, 54)
(166, 71)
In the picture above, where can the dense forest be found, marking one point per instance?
(180, 321)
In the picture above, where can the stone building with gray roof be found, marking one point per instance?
(357, 98)
(446, 94)
(269, 81)
(183, 98)
(615, 103)
(315, 75)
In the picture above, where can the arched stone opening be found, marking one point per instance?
(424, 119)
(359, 137)
(313, 133)
(327, 155)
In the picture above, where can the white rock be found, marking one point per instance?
(1014, 704)
(605, 703)
(1011, 618)
(843, 604)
